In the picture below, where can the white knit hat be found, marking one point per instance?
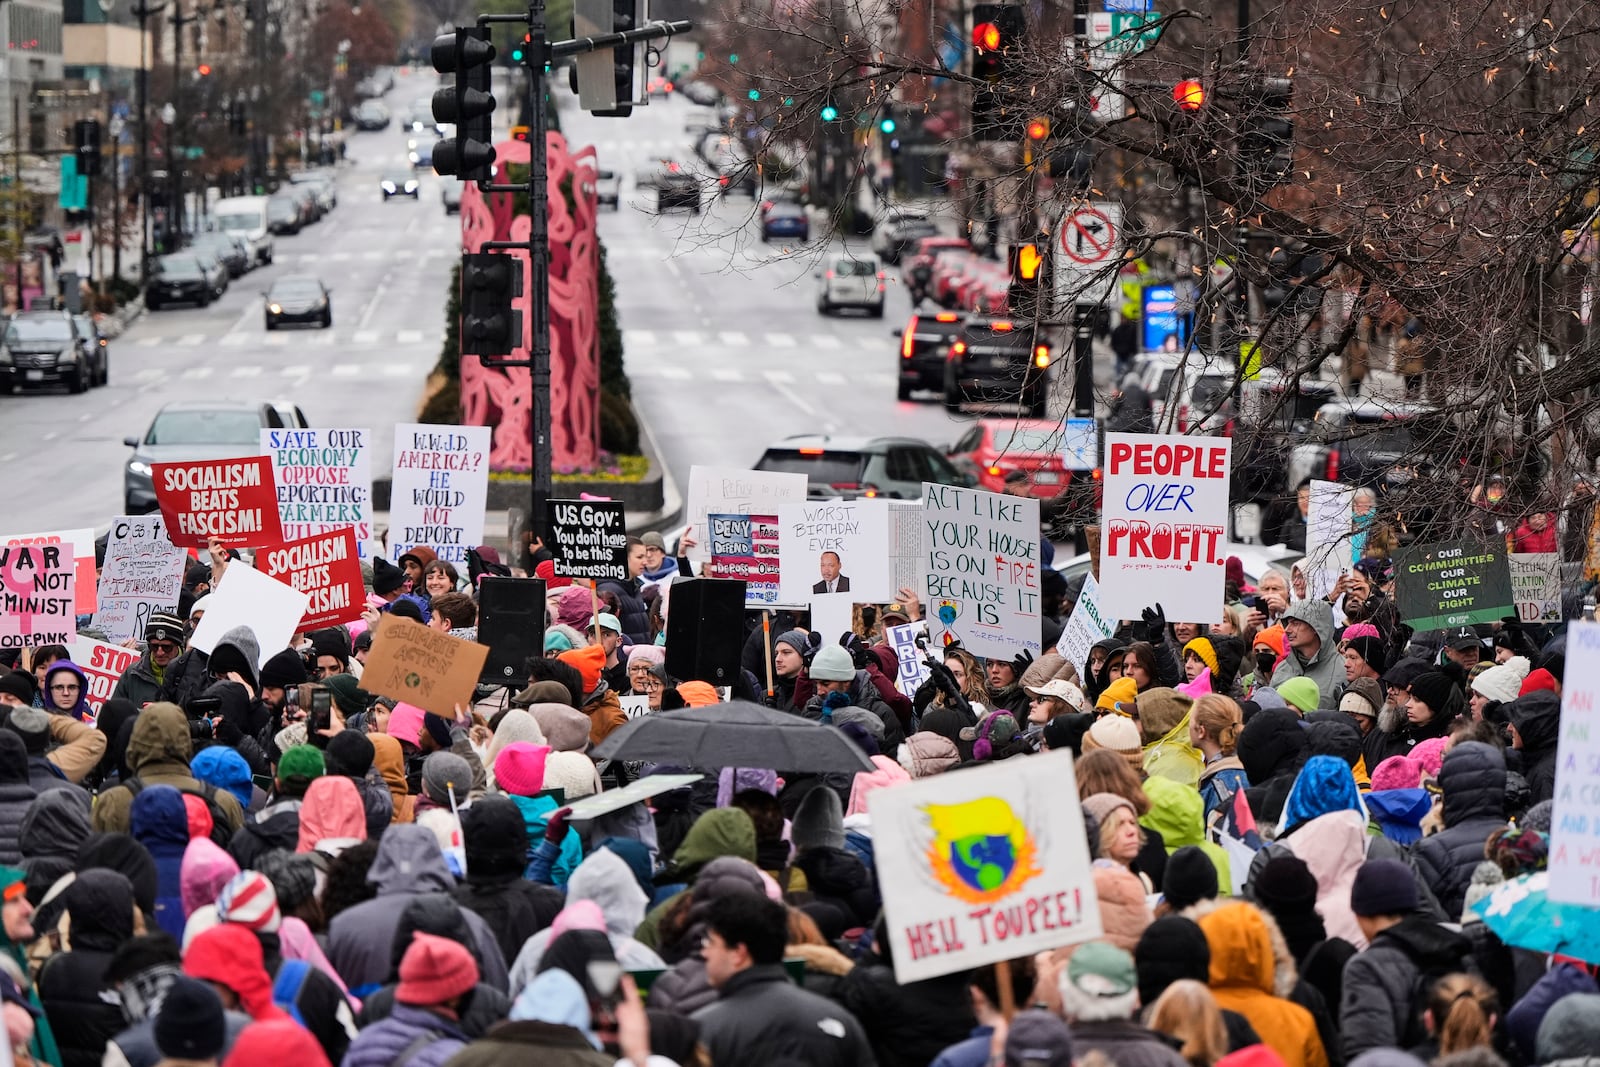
(1503, 681)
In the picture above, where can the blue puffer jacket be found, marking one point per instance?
(536, 816)
(383, 1044)
(632, 611)
(160, 822)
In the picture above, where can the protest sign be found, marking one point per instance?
(324, 481)
(1452, 585)
(1575, 822)
(37, 594)
(1328, 546)
(912, 670)
(905, 545)
(439, 490)
(589, 539)
(232, 500)
(1085, 628)
(82, 542)
(1164, 525)
(102, 665)
(980, 866)
(831, 615)
(727, 491)
(1080, 445)
(745, 547)
(325, 567)
(271, 609)
(1536, 585)
(635, 706)
(143, 574)
(835, 546)
(981, 569)
(418, 665)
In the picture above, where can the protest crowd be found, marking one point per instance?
(1304, 833)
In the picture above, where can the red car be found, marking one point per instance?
(993, 448)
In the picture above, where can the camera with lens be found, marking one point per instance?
(200, 711)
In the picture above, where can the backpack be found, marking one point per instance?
(292, 975)
(221, 829)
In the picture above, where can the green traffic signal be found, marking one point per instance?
(887, 125)
(734, 59)
(829, 112)
(754, 94)
(516, 55)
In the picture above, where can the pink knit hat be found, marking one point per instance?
(519, 769)
(1430, 754)
(1359, 629)
(1397, 772)
(405, 723)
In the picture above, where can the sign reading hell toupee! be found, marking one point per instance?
(590, 539)
(980, 866)
(418, 665)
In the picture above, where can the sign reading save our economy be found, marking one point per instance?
(1438, 586)
(981, 569)
(232, 500)
(979, 867)
(324, 480)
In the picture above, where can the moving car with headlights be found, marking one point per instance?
(245, 217)
(198, 429)
(785, 220)
(230, 251)
(299, 298)
(852, 467)
(284, 215)
(998, 361)
(400, 185)
(674, 186)
(177, 279)
(422, 155)
(41, 348)
(851, 281)
(99, 347)
(924, 346)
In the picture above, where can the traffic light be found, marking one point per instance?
(886, 125)
(829, 112)
(1038, 128)
(609, 80)
(1029, 265)
(1189, 95)
(491, 324)
(997, 32)
(519, 51)
(86, 146)
(1266, 133)
(468, 104)
(203, 70)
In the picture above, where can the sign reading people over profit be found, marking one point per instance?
(440, 489)
(979, 867)
(143, 574)
(590, 539)
(102, 665)
(981, 569)
(327, 569)
(1575, 822)
(324, 480)
(37, 594)
(746, 547)
(418, 665)
(1443, 585)
(1164, 525)
(232, 500)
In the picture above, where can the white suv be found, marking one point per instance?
(851, 282)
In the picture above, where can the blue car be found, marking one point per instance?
(786, 221)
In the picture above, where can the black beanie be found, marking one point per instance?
(1285, 884)
(1435, 689)
(1170, 949)
(287, 668)
(1190, 878)
(386, 577)
(189, 1025)
(1383, 887)
(349, 753)
(18, 684)
(1371, 650)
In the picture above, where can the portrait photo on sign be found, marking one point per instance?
(834, 546)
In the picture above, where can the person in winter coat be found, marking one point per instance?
(206, 868)
(1215, 722)
(332, 819)
(1535, 726)
(1386, 986)
(437, 977)
(600, 702)
(908, 1025)
(1312, 653)
(164, 636)
(350, 754)
(718, 832)
(1174, 948)
(389, 760)
(630, 608)
(550, 1024)
(160, 823)
(839, 883)
(277, 826)
(439, 915)
(1100, 998)
(159, 751)
(54, 827)
(1472, 782)
(1245, 979)
(81, 1004)
(832, 671)
(605, 880)
(273, 1043)
(519, 771)
(408, 864)
(687, 987)
(1325, 826)
(496, 842)
(16, 796)
(1164, 729)
(229, 957)
(1272, 747)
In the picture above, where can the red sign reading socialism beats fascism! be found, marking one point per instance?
(232, 500)
(327, 569)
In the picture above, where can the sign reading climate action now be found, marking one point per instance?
(1452, 585)
(591, 539)
(327, 569)
(233, 500)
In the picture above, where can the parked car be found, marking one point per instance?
(786, 221)
(1364, 442)
(283, 215)
(44, 348)
(897, 233)
(178, 278)
(231, 252)
(99, 347)
(372, 115)
(607, 189)
(994, 448)
(320, 182)
(852, 467)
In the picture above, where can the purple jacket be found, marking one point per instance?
(383, 1043)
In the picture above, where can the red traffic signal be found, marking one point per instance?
(986, 37)
(1189, 94)
(1038, 129)
(204, 70)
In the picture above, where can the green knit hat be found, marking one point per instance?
(302, 761)
(1301, 694)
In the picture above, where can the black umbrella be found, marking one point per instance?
(736, 734)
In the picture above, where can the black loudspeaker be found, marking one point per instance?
(511, 623)
(705, 630)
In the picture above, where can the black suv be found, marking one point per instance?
(46, 348)
(924, 346)
(852, 467)
(998, 360)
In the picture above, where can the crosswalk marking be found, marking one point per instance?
(639, 338)
(727, 374)
(675, 373)
(149, 342)
(244, 372)
(299, 370)
(688, 337)
(148, 374)
(780, 340)
(235, 340)
(733, 338)
(408, 337)
(310, 257)
(277, 340)
(200, 373)
(825, 340)
(779, 377)
(398, 370)
(365, 337)
(828, 377)
(346, 370)
(190, 340)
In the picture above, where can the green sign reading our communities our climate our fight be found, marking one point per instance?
(1443, 585)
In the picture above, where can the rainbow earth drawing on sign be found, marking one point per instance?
(981, 852)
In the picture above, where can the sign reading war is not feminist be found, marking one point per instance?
(1443, 585)
(1164, 525)
(36, 594)
(232, 500)
(591, 539)
(326, 567)
(981, 866)
(981, 569)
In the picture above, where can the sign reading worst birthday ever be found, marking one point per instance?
(324, 482)
(37, 586)
(590, 539)
(746, 547)
(1164, 525)
(232, 500)
(835, 546)
(980, 866)
(143, 574)
(440, 489)
(1575, 822)
(326, 567)
(1443, 585)
(981, 569)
